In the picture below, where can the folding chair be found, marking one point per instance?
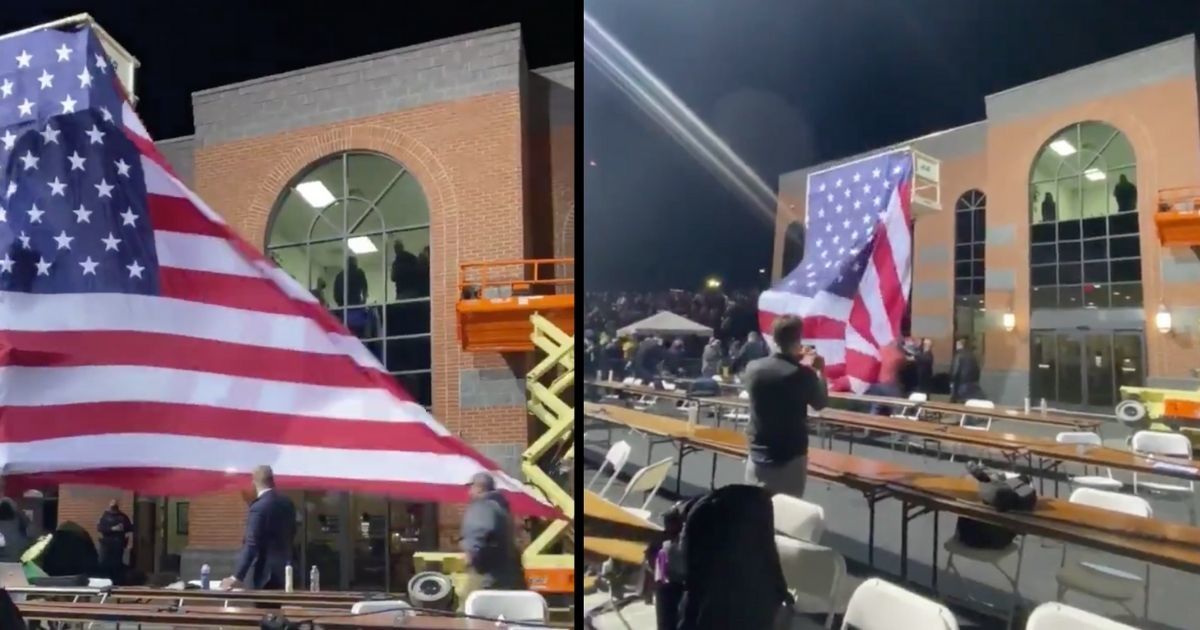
(1102, 581)
(648, 480)
(880, 605)
(616, 457)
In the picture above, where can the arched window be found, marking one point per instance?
(1084, 249)
(970, 229)
(354, 229)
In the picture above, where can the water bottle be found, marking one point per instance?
(205, 572)
(287, 578)
(314, 579)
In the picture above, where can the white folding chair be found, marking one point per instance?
(969, 421)
(1056, 616)
(1099, 482)
(511, 605)
(616, 457)
(1098, 580)
(399, 606)
(880, 605)
(955, 548)
(913, 411)
(811, 571)
(648, 480)
(1171, 445)
(797, 518)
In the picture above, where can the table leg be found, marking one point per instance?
(679, 468)
(934, 567)
(871, 534)
(903, 541)
(712, 480)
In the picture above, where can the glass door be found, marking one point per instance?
(1084, 370)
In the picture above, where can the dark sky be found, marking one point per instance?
(193, 45)
(789, 83)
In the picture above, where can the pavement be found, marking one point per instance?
(980, 599)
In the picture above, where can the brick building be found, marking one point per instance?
(1049, 213)
(438, 154)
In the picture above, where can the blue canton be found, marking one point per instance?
(73, 215)
(845, 206)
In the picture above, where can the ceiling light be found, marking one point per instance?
(361, 245)
(1094, 174)
(315, 193)
(1062, 147)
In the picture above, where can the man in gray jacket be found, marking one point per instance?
(493, 561)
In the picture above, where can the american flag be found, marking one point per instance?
(852, 286)
(145, 346)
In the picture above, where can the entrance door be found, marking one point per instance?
(1084, 370)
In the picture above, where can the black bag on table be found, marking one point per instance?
(1002, 494)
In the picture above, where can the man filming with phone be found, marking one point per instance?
(782, 387)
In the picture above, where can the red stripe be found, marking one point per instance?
(176, 214)
(146, 147)
(28, 424)
(98, 348)
(241, 292)
(182, 483)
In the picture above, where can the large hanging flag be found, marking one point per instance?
(144, 345)
(852, 286)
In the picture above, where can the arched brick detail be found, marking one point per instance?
(409, 152)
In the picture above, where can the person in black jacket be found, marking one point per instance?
(924, 361)
(267, 544)
(782, 387)
(964, 373)
(1125, 194)
(755, 348)
(114, 528)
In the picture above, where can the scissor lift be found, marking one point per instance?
(549, 561)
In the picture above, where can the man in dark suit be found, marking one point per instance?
(267, 544)
(782, 387)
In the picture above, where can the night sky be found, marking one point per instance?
(790, 83)
(190, 46)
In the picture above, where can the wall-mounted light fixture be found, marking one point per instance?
(1009, 321)
(1162, 319)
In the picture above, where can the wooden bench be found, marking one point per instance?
(214, 617)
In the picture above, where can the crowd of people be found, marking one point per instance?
(732, 317)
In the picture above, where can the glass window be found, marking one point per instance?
(1083, 207)
(354, 229)
(970, 230)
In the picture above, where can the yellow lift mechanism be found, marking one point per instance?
(545, 403)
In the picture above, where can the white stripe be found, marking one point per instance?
(152, 314)
(43, 386)
(132, 122)
(232, 456)
(783, 303)
(160, 182)
(832, 306)
(855, 342)
(201, 253)
(900, 237)
(857, 385)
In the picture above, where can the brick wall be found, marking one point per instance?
(466, 154)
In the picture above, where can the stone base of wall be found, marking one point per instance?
(1006, 387)
(219, 560)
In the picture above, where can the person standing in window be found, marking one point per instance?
(354, 294)
(1125, 194)
(782, 387)
(1049, 209)
(405, 270)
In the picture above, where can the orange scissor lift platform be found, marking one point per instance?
(496, 299)
(1178, 216)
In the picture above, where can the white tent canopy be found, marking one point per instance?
(666, 323)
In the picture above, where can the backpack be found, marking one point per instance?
(732, 575)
